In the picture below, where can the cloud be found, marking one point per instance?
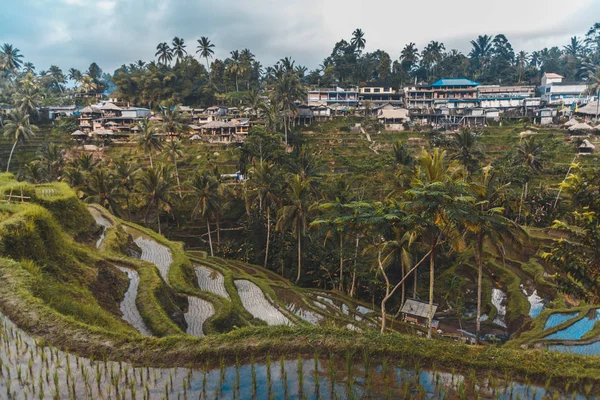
(73, 33)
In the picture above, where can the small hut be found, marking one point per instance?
(586, 147)
(580, 127)
(417, 312)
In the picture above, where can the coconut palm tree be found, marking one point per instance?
(155, 187)
(174, 151)
(18, 128)
(206, 202)
(164, 53)
(103, 190)
(437, 203)
(75, 75)
(178, 48)
(265, 189)
(57, 76)
(294, 214)
(11, 57)
(236, 67)
(358, 40)
(466, 150)
(125, 173)
(28, 67)
(286, 92)
(487, 225)
(28, 101)
(205, 48)
(88, 84)
(147, 139)
(529, 153)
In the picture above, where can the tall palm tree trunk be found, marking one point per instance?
(11, 155)
(341, 262)
(177, 177)
(212, 254)
(479, 256)
(208, 70)
(415, 280)
(431, 283)
(387, 293)
(151, 164)
(268, 235)
(158, 219)
(218, 221)
(299, 257)
(353, 287)
(128, 207)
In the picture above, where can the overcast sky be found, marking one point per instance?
(73, 33)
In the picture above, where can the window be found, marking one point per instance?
(376, 90)
(387, 89)
(367, 90)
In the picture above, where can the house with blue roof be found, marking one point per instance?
(452, 93)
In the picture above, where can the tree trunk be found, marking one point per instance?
(286, 131)
(387, 294)
(208, 70)
(177, 177)
(479, 257)
(237, 89)
(128, 207)
(158, 219)
(212, 254)
(151, 164)
(218, 220)
(268, 235)
(353, 288)
(341, 262)
(415, 280)
(431, 283)
(11, 155)
(299, 256)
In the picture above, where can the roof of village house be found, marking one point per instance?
(587, 145)
(218, 125)
(589, 109)
(78, 133)
(571, 122)
(552, 75)
(418, 308)
(455, 82)
(111, 107)
(376, 84)
(91, 109)
(400, 113)
(581, 127)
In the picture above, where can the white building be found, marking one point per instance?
(554, 91)
(504, 97)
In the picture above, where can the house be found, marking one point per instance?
(225, 132)
(111, 110)
(136, 112)
(59, 112)
(346, 96)
(455, 93)
(545, 116)
(87, 116)
(586, 147)
(554, 91)
(504, 97)
(418, 312)
(418, 97)
(590, 111)
(379, 93)
(394, 119)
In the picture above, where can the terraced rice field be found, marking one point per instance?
(199, 311)
(157, 254)
(211, 281)
(578, 329)
(101, 221)
(128, 307)
(558, 319)
(254, 300)
(499, 301)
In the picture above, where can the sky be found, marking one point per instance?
(74, 33)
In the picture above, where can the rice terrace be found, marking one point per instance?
(416, 222)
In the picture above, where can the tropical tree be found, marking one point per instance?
(265, 185)
(155, 187)
(294, 214)
(28, 67)
(529, 153)
(164, 53)
(437, 204)
(57, 76)
(205, 48)
(174, 151)
(286, 92)
(206, 202)
(466, 150)
(358, 40)
(178, 48)
(482, 51)
(88, 84)
(103, 190)
(125, 174)
(18, 128)
(11, 57)
(148, 141)
(487, 225)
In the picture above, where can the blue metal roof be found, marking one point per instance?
(454, 82)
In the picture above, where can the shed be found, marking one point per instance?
(571, 122)
(581, 127)
(417, 311)
(78, 133)
(586, 147)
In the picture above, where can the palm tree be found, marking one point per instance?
(125, 173)
(466, 150)
(358, 40)
(155, 186)
(486, 224)
(174, 151)
(529, 153)
(482, 51)
(235, 67)
(11, 57)
(88, 84)
(29, 67)
(18, 128)
(287, 91)
(295, 213)
(437, 205)
(28, 101)
(522, 62)
(103, 190)
(147, 139)
(574, 48)
(431, 56)
(164, 53)
(204, 194)
(57, 76)
(178, 48)
(205, 48)
(75, 75)
(265, 186)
